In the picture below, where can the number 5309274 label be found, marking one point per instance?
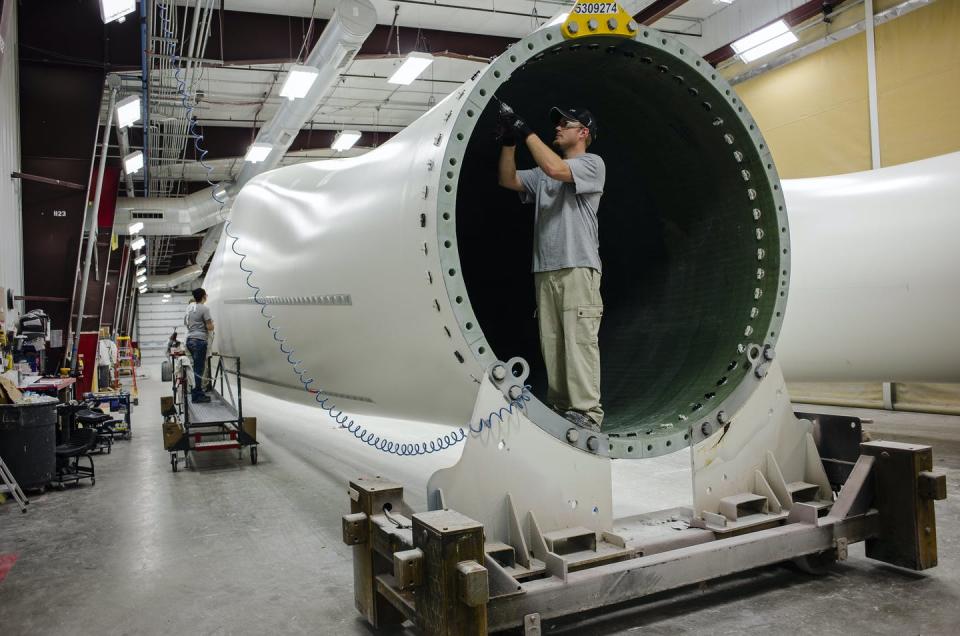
(595, 8)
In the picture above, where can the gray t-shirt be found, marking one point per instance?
(196, 321)
(565, 221)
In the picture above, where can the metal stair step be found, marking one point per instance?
(216, 445)
(802, 491)
(501, 553)
(734, 507)
(569, 540)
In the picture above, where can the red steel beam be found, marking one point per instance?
(657, 10)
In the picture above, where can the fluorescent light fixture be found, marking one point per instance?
(140, 259)
(299, 80)
(142, 280)
(143, 289)
(415, 64)
(345, 140)
(128, 111)
(137, 243)
(768, 47)
(111, 10)
(764, 41)
(141, 271)
(133, 228)
(258, 152)
(164, 300)
(133, 163)
(166, 295)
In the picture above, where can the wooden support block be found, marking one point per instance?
(356, 528)
(452, 600)
(908, 526)
(369, 496)
(408, 569)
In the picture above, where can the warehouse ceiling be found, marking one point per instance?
(238, 60)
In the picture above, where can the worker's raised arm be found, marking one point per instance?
(507, 171)
(550, 162)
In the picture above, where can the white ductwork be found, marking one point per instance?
(351, 24)
(183, 216)
(175, 279)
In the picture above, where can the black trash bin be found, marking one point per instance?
(28, 442)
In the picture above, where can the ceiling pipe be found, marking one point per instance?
(169, 281)
(336, 48)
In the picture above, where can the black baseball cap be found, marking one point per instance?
(581, 115)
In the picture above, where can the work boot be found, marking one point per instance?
(198, 399)
(580, 419)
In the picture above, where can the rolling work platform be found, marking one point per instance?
(216, 425)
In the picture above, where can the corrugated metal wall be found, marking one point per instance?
(156, 320)
(11, 235)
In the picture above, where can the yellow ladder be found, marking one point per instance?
(127, 363)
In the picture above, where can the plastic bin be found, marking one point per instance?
(28, 442)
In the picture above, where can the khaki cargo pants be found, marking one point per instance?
(569, 308)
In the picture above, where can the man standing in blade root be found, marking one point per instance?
(565, 191)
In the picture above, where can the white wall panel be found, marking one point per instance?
(11, 234)
(156, 320)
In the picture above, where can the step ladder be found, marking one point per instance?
(11, 486)
(127, 364)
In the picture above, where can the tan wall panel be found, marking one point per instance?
(918, 83)
(930, 398)
(813, 112)
(837, 393)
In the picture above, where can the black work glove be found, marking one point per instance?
(516, 126)
(505, 135)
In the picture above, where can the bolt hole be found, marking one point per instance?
(482, 350)
(649, 447)
(470, 113)
(452, 271)
(446, 216)
(450, 174)
(447, 244)
(669, 443)
(513, 58)
(596, 510)
(459, 136)
(453, 161)
(388, 506)
(549, 36)
(686, 436)
(530, 45)
(496, 74)
(448, 188)
(483, 92)
(459, 299)
(722, 381)
(469, 326)
(516, 370)
(629, 449)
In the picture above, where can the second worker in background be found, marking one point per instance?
(565, 191)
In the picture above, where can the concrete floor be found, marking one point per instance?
(230, 548)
